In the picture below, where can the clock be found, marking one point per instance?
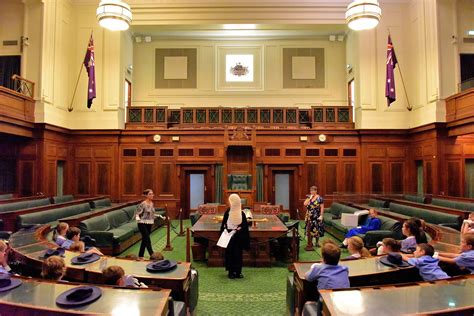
(322, 138)
(156, 138)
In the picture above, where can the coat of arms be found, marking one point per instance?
(239, 70)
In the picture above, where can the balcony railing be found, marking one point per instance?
(335, 116)
(23, 86)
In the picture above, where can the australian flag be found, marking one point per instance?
(390, 78)
(89, 63)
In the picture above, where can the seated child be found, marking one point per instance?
(409, 229)
(114, 275)
(373, 223)
(4, 267)
(468, 224)
(465, 259)
(156, 256)
(59, 235)
(74, 235)
(427, 265)
(355, 246)
(388, 245)
(53, 268)
(329, 274)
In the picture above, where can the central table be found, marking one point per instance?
(262, 230)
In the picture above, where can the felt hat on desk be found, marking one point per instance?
(85, 258)
(161, 266)
(78, 296)
(53, 252)
(394, 259)
(7, 283)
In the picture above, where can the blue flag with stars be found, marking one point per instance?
(390, 77)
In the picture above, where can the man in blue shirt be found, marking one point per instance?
(329, 274)
(427, 265)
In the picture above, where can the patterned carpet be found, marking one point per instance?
(261, 292)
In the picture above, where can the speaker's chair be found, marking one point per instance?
(239, 182)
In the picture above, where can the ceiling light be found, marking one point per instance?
(114, 15)
(240, 26)
(363, 14)
(470, 32)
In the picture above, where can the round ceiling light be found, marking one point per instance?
(363, 14)
(114, 15)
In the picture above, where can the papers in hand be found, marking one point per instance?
(225, 238)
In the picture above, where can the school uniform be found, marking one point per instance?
(372, 224)
(428, 268)
(466, 260)
(329, 276)
(408, 244)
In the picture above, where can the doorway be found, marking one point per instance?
(283, 188)
(419, 177)
(197, 189)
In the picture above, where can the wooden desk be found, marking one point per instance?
(261, 231)
(28, 246)
(39, 298)
(362, 272)
(444, 296)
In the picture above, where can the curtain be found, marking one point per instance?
(218, 182)
(260, 183)
(9, 65)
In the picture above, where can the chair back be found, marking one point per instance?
(271, 209)
(204, 209)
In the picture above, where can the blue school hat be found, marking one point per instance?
(7, 283)
(394, 259)
(78, 296)
(85, 258)
(161, 266)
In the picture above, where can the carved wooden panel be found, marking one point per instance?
(166, 182)
(51, 150)
(429, 177)
(396, 177)
(7, 175)
(148, 175)
(350, 177)
(103, 152)
(313, 175)
(103, 178)
(83, 170)
(129, 178)
(83, 152)
(376, 152)
(395, 152)
(51, 178)
(454, 178)
(377, 177)
(27, 178)
(331, 178)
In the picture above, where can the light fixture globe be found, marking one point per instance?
(114, 15)
(363, 14)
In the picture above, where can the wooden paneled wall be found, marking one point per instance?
(123, 163)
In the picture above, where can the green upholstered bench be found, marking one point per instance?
(51, 216)
(380, 204)
(24, 204)
(6, 196)
(415, 198)
(429, 216)
(116, 230)
(101, 203)
(453, 204)
(62, 198)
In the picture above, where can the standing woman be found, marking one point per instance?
(314, 214)
(235, 219)
(145, 217)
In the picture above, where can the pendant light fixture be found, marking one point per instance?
(363, 14)
(114, 15)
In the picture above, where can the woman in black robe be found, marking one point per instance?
(235, 219)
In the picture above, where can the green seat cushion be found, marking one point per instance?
(432, 217)
(122, 233)
(377, 203)
(130, 210)
(117, 218)
(338, 225)
(454, 204)
(24, 204)
(415, 198)
(62, 199)
(328, 218)
(101, 203)
(6, 196)
(98, 223)
(132, 226)
(53, 214)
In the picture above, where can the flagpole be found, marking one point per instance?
(409, 107)
(71, 107)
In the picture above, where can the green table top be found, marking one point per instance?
(424, 298)
(356, 267)
(42, 295)
(262, 223)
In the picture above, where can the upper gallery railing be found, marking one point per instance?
(327, 116)
(23, 86)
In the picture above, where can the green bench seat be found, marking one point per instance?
(6, 196)
(62, 199)
(429, 216)
(453, 204)
(52, 216)
(23, 205)
(101, 203)
(415, 198)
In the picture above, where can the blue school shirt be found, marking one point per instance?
(428, 268)
(408, 244)
(466, 260)
(329, 276)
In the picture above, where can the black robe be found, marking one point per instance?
(238, 242)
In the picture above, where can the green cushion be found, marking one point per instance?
(62, 198)
(101, 203)
(53, 214)
(132, 226)
(328, 218)
(122, 233)
(454, 204)
(130, 210)
(415, 198)
(432, 217)
(98, 223)
(117, 218)
(6, 196)
(24, 204)
(337, 224)
(376, 203)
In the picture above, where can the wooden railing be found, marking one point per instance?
(460, 106)
(23, 86)
(334, 116)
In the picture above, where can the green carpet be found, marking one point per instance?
(261, 292)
